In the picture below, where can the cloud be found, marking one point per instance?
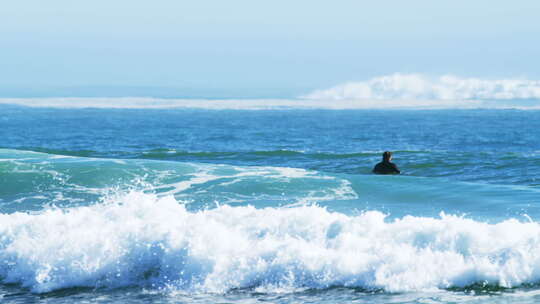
(420, 87)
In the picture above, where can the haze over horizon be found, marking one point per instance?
(242, 49)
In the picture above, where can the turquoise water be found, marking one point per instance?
(237, 206)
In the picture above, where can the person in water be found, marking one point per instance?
(386, 166)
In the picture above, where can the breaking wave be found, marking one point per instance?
(139, 239)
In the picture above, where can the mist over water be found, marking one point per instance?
(280, 206)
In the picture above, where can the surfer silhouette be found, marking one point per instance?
(386, 166)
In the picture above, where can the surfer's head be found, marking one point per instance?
(387, 156)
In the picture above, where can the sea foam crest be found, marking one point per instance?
(420, 87)
(143, 240)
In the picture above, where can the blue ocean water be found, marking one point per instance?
(279, 206)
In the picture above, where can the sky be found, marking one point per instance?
(241, 48)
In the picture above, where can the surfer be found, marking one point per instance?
(386, 166)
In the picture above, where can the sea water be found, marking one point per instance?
(279, 206)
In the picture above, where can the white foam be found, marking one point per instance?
(140, 239)
(342, 97)
(206, 174)
(411, 87)
(157, 103)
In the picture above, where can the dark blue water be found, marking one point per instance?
(141, 205)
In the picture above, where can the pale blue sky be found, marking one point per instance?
(251, 48)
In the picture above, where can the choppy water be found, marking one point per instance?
(206, 206)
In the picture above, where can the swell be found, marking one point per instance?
(37, 179)
(171, 154)
(174, 154)
(511, 168)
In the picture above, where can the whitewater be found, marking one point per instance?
(143, 240)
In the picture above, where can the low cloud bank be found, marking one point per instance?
(420, 87)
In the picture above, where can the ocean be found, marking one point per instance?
(275, 205)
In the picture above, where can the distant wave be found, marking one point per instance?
(156, 103)
(396, 91)
(420, 87)
(304, 103)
